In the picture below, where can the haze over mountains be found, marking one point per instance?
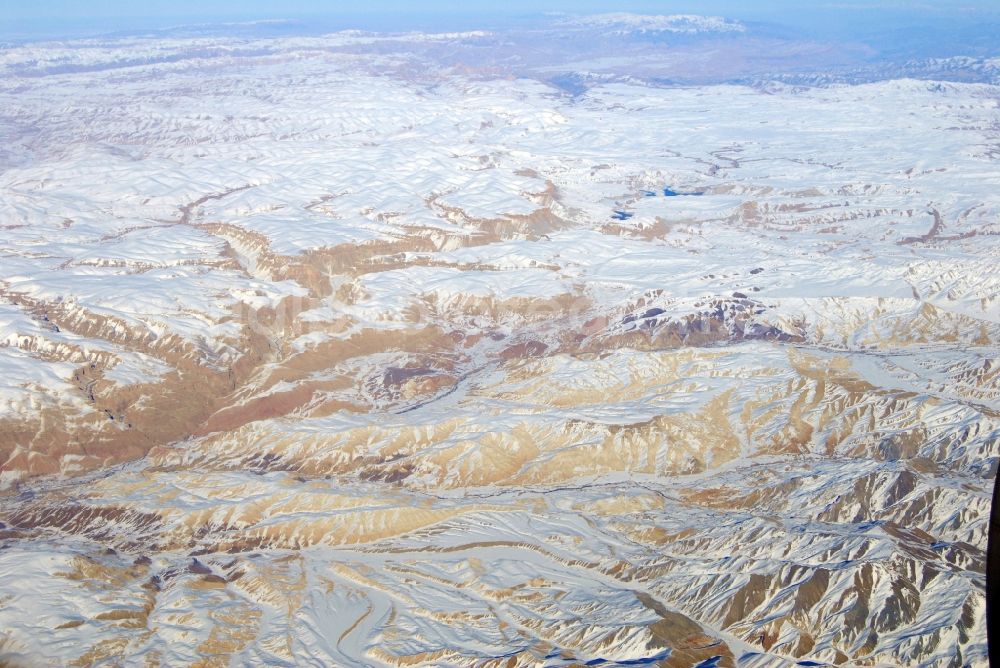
(606, 340)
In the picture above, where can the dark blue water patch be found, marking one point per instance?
(622, 215)
(807, 662)
(572, 83)
(710, 662)
(667, 192)
(939, 545)
(649, 193)
(595, 662)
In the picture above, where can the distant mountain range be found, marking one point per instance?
(624, 23)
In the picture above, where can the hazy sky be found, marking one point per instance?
(13, 10)
(39, 17)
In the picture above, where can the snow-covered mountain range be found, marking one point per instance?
(346, 350)
(671, 23)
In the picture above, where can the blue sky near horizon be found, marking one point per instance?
(41, 8)
(16, 10)
(28, 18)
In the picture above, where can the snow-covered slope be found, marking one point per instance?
(310, 355)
